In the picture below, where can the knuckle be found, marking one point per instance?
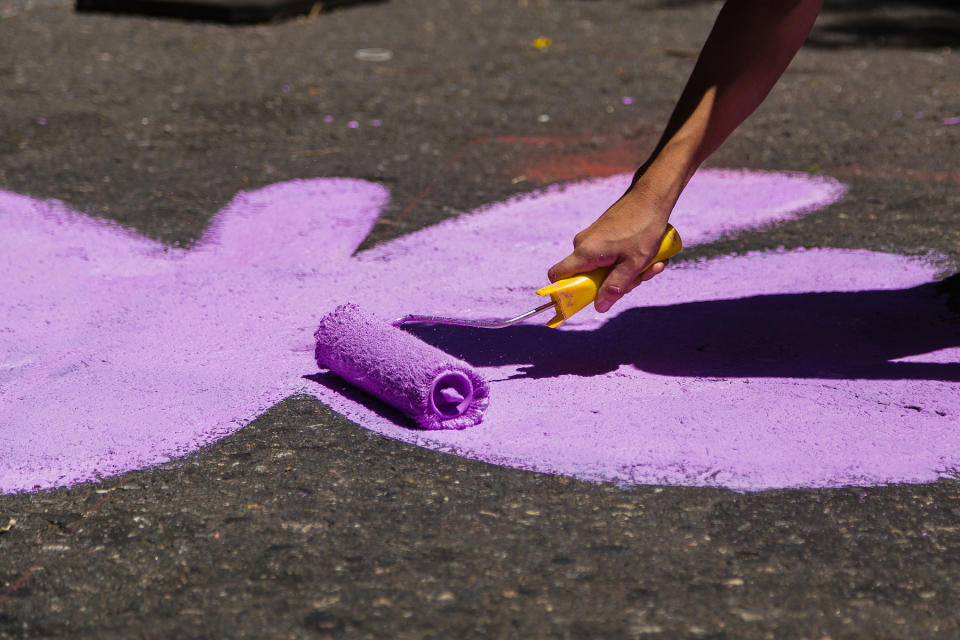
(584, 249)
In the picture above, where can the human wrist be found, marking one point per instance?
(665, 174)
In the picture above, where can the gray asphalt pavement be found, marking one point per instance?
(304, 525)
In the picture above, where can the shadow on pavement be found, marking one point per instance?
(835, 335)
(926, 30)
(919, 24)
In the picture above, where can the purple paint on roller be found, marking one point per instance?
(433, 388)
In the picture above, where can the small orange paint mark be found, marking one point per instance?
(621, 157)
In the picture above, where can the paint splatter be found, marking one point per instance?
(801, 368)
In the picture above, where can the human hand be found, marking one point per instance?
(627, 236)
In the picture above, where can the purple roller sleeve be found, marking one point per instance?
(435, 389)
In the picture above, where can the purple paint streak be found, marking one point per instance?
(430, 386)
(803, 368)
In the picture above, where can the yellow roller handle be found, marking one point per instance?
(572, 294)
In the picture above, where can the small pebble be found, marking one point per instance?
(373, 55)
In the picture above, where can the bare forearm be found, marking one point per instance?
(750, 46)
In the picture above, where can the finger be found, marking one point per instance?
(655, 269)
(572, 265)
(615, 285)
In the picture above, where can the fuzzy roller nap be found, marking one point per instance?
(435, 389)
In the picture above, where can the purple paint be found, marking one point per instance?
(430, 386)
(117, 353)
(951, 121)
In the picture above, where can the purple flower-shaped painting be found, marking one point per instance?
(806, 368)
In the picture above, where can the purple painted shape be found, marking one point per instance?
(117, 353)
(430, 386)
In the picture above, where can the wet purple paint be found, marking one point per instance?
(430, 386)
(117, 353)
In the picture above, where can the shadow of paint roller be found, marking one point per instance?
(430, 386)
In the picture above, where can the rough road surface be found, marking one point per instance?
(304, 525)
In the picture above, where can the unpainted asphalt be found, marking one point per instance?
(304, 525)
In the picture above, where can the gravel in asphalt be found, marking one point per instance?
(304, 525)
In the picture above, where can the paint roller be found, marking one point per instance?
(435, 389)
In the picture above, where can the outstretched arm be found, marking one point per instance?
(750, 46)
